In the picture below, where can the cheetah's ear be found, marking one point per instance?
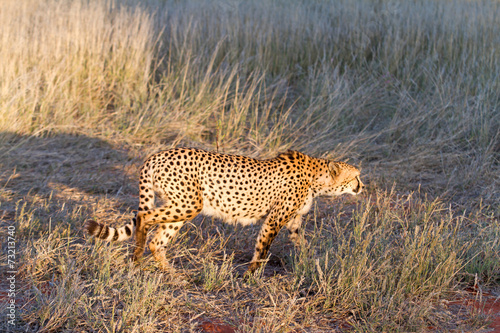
(334, 168)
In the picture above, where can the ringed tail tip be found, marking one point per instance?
(93, 228)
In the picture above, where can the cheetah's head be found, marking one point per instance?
(342, 178)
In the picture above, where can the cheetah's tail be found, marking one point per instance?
(108, 233)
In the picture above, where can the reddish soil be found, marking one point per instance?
(216, 326)
(489, 306)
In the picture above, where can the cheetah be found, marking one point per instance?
(236, 189)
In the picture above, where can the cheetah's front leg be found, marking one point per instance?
(273, 224)
(294, 227)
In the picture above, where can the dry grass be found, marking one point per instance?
(409, 91)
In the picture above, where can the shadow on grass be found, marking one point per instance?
(63, 178)
(62, 161)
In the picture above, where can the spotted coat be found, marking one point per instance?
(233, 188)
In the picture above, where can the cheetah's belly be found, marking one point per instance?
(231, 218)
(306, 206)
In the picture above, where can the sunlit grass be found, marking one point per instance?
(408, 91)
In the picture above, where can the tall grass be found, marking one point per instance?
(406, 90)
(411, 84)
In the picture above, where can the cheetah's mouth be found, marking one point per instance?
(359, 186)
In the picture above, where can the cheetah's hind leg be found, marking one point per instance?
(164, 234)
